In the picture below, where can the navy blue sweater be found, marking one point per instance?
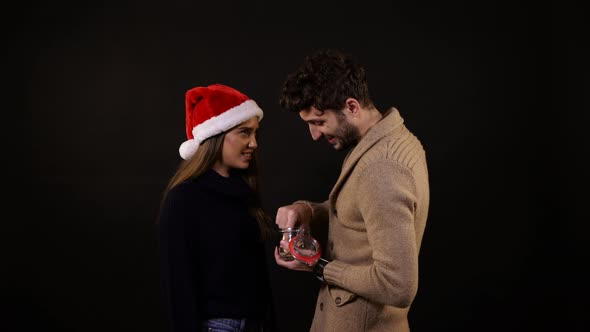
(212, 258)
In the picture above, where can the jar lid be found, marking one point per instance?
(309, 253)
(289, 229)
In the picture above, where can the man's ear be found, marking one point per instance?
(352, 106)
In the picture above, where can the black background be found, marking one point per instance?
(496, 92)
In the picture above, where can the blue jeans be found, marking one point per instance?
(224, 325)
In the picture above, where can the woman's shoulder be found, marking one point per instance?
(187, 188)
(182, 200)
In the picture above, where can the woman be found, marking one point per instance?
(212, 229)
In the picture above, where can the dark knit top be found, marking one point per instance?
(213, 262)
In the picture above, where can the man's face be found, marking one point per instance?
(331, 125)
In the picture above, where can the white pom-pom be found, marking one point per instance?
(188, 148)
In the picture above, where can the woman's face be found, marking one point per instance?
(238, 147)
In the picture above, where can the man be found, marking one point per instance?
(377, 209)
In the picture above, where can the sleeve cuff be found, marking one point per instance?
(333, 272)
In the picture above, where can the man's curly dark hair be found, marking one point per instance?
(325, 80)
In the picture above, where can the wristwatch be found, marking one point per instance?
(318, 269)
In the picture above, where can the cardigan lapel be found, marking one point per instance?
(391, 120)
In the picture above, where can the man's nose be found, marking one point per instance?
(315, 134)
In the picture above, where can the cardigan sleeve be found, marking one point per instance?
(178, 277)
(386, 199)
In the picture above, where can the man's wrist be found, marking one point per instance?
(308, 205)
(318, 269)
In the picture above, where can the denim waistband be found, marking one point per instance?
(232, 325)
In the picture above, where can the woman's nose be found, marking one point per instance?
(253, 144)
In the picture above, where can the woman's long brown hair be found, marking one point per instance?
(207, 154)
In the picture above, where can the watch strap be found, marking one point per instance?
(318, 269)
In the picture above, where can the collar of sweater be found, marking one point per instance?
(390, 122)
(234, 185)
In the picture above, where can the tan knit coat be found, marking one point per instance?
(377, 213)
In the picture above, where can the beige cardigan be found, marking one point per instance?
(377, 213)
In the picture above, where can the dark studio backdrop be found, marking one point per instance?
(485, 86)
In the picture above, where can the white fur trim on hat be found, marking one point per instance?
(218, 124)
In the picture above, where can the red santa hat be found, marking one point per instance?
(212, 110)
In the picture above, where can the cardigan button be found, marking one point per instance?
(338, 300)
(321, 306)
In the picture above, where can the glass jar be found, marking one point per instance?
(287, 234)
(305, 248)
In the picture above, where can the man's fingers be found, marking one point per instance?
(290, 215)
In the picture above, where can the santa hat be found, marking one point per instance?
(212, 110)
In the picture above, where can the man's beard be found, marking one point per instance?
(347, 134)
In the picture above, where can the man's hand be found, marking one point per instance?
(297, 214)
